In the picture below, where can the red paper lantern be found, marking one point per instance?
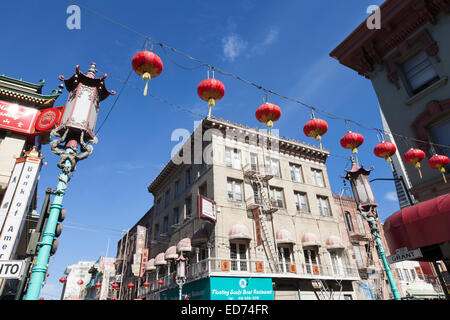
(352, 140)
(115, 286)
(268, 113)
(439, 162)
(146, 284)
(80, 282)
(160, 282)
(385, 150)
(148, 65)
(98, 284)
(316, 128)
(414, 156)
(113, 298)
(211, 90)
(41, 298)
(130, 286)
(62, 280)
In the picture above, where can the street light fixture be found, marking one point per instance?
(365, 200)
(75, 132)
(181, 273)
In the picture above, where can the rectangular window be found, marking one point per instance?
(254, 161)
(273, 166)
(301, 202)
(156, 231)
(311, 261)
(359, 218)
(167, 198)
(159, 205)
(348, 221)
(296, 173)
(166, 224)
(203, 190)
(233, 158)
(177, 187)
(323, 205)
(238, 256)
(317, 176)
(276, 196)
(176, 215)
(234, 190)
(188, 204)
(419, 72)
(284, 257)
(357, 254)
(188, 177)
(399, 274)
(413, 274)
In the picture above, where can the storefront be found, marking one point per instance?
(224, 288)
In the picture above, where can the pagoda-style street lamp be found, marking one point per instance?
(76, 130)
(359, 180)
(181, 273)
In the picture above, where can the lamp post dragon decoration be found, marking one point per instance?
(74, 138)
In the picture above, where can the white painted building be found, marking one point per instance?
(74, 273)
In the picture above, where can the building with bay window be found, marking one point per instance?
(255, 220)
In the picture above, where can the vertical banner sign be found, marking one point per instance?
(20, 204)
(257, 226)
(144, 261)
(9, 194)
(140, 243)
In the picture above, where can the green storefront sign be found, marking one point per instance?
(225, 288)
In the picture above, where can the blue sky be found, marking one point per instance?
(283, 46)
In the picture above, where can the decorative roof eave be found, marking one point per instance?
(30, 98)
(356, 170)
(88, 80)
(364, 47)
(37, 87)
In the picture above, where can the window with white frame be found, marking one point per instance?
(323, 204)
(413, 274)
(234, 190)
(407, 276)
(311, 260)
(296, 173)
(276, 196)
(337, 262)
(399, 274)
(254, 161)
(419, 72)
(233, 158)
(357, 254)
(301, 202)
(238, 256)
(359, 218)
(273, 166)
(285, 258)
(317, 176)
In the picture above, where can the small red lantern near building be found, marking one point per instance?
(439, 162)
(316, 128)
(62, 280)
(80, 282)
(268, 113)
(130, 286)
(211, 90)
(160, 283)
(41, 298)
(146, 284)
(148, 65)
(414, 156)
(385, 150)
(115, 286)
(98, 284)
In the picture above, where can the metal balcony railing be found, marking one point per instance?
(205, 267)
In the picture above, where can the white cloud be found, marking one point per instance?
(233, 46)
(271, 37)
(392, 196)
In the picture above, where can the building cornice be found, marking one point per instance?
(400, 19)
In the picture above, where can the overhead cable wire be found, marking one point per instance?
(203, 63)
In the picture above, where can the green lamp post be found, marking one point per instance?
(73, 134)
(359, 180)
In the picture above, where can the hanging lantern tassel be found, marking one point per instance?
(211, 104)
(269, 127)
(146, 76)
(388, 159)
(417, 166)
(319, 137)
(443, 174)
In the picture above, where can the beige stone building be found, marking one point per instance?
(295, 252)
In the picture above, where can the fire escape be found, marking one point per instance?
(259, 180)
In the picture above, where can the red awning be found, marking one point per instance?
(421, 225)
